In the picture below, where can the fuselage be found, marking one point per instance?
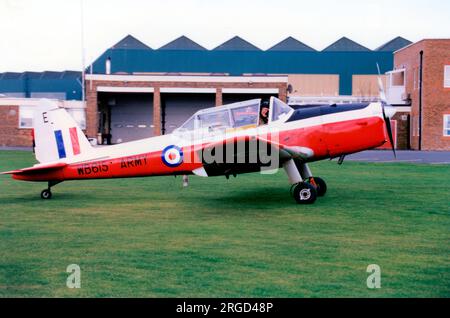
(329, 131)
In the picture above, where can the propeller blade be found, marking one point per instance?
(380, 86)
(382, 93)
(378, 69)
(384, 103)
(387, 121)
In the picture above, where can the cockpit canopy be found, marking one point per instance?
(240, 115)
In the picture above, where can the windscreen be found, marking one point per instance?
(279, 109)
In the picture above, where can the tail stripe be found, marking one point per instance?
(74, 140)
(60, 144)
(60, 128)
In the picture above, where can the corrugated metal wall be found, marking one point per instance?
(344, 64)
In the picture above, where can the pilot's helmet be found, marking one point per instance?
(265, 103)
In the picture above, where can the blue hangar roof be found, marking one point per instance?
(235, 56)
(64, 85)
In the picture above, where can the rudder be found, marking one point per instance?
(57, 135)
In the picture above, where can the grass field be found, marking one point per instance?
(149, 237)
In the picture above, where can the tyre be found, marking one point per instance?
(305, 193)
(46, 194)
(321, 186)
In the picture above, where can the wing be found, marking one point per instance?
(246, 154)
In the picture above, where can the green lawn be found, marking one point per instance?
(150, 237)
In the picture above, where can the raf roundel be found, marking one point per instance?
(172, 156)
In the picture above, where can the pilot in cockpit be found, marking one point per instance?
(264, 113)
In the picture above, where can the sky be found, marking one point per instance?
(38, 35)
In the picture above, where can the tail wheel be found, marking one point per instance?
(305, 193)
(46, 194)
(321, 186)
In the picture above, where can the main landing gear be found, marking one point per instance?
(305, 188)
(46, 194)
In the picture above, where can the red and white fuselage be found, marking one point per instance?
(319, 134)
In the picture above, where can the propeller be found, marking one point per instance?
(388, 110)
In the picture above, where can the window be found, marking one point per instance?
(447, 125)
(398, 78)
(26, 114)
(79, 115)
(279, 109)
(215, 120)
(245, 116)
(447, 76)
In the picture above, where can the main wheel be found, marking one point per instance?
(46, 194)
(305, 193)
(321, 186)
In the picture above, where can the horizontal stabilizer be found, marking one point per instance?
(37, 168)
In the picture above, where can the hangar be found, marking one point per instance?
(129, 107)
(133, 91)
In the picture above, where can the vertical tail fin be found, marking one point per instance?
(57, 135)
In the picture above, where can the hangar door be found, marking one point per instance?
(178, 107)
(130, 115)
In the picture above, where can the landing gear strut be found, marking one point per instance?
(46, 194)
(305, 188)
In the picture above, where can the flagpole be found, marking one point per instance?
(83, 61)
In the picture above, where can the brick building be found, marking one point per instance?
(422, 76)
(16, 115)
